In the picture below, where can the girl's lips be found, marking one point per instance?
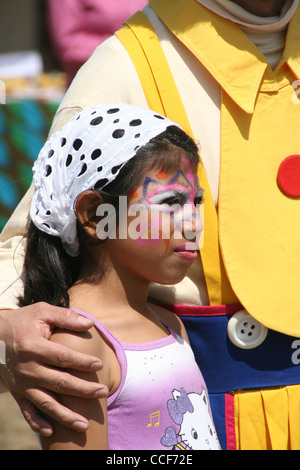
(186, 251)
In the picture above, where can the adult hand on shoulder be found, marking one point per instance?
(32, 371)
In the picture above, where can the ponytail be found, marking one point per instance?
(49, 271)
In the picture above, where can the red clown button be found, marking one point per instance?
(288, 176)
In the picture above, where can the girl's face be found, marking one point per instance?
(163, 226)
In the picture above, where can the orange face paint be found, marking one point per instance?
(161, 174)
(133, 194)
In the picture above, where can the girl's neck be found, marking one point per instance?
(107, 292)
(120, 304)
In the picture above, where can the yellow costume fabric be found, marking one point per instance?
(261, 254)
(253, 146)
(268, 419)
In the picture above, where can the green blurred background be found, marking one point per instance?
(25, 120)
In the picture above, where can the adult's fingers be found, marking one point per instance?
(33, 417)
(58, 355)
(60, 381)
(47, 404)
(61, 317)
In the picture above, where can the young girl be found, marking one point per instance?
(90, 251)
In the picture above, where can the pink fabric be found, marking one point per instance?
(229, 422)
(77, 27)
(203, 310)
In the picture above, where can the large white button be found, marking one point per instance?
(245, 332)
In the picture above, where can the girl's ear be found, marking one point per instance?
(86, 206)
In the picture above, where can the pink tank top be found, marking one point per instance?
(161, 402)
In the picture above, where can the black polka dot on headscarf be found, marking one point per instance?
(48, 170)
(51, 153)
(115, 169)
(77, 144)
(69, 160)
(113, 110)
(96, 121)
(118, 133)
(96, 154)
(83, 169)
(135, 122)
(63, 141)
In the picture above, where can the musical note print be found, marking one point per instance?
(155, 416)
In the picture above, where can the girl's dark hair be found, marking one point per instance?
(49, 271)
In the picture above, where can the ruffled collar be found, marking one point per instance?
(267, 33)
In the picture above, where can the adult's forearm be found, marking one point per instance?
(5, 335)
(12, 243)
(11, 263)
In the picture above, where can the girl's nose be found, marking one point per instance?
(189, 222)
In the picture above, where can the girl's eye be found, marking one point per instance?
(170, 201)
(170, 198)
(199, 198)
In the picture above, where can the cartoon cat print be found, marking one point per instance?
(194, 432)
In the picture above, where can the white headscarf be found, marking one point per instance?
(87, 153)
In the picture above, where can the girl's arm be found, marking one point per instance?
(95, 410)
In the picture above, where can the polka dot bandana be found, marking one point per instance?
(87, 153)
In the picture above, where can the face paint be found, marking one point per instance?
(158, 245)
(161, 174)
(133, 194)
(172, 204)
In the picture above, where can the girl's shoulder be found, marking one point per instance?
(93, 343)
(171, 320)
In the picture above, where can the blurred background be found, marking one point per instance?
(42, 45)
(34, 84)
